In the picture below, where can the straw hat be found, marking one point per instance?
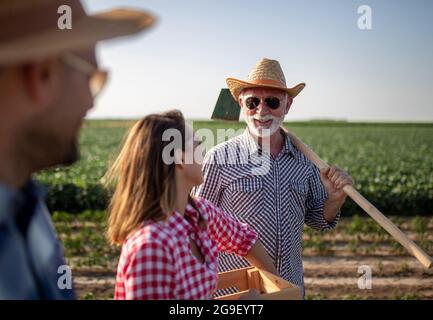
(29, 29)
(268, 74)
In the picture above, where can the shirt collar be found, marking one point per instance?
(251, 144)
(11, 200)
(183, 224)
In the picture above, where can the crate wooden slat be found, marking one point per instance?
(270, 286)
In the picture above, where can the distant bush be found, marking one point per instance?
(72, 198)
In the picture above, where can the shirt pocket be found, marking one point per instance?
(246, 198)
(299, 194)
(247, 185)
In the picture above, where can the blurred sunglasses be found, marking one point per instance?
(253, 102)
(97, 78)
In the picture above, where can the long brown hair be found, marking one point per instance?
(145, 186)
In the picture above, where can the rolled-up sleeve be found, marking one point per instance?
(231, 235)
(316, 198)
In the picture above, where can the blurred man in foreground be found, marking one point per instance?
(49, 78)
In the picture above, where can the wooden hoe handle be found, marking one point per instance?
(378, 216)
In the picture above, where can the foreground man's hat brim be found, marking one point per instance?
(29, 30)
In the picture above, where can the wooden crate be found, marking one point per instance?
(270, 286)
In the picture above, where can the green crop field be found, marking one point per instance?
(390, 163)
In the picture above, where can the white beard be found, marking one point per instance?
(263, 132)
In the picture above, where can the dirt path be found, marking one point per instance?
(326, 277)
(393, 277)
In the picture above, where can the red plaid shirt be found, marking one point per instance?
(157, 262)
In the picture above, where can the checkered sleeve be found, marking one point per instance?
(211, 188)
(149, 274)
(316, 198)
(231, 235)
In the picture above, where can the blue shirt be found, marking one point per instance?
(31, 257)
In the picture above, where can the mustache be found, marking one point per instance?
(262, 118)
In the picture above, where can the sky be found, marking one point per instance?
(381, 74)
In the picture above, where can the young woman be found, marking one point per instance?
(170, 240)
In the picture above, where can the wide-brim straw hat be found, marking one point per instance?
(29, 28)
(267, 74)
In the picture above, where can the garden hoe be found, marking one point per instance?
(228, 109)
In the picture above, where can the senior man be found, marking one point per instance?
(278, 198)
(48, 80)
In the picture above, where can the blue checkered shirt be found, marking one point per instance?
(275, 195)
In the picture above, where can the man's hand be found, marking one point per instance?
(334, 179)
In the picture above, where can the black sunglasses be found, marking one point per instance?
(254, 102)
